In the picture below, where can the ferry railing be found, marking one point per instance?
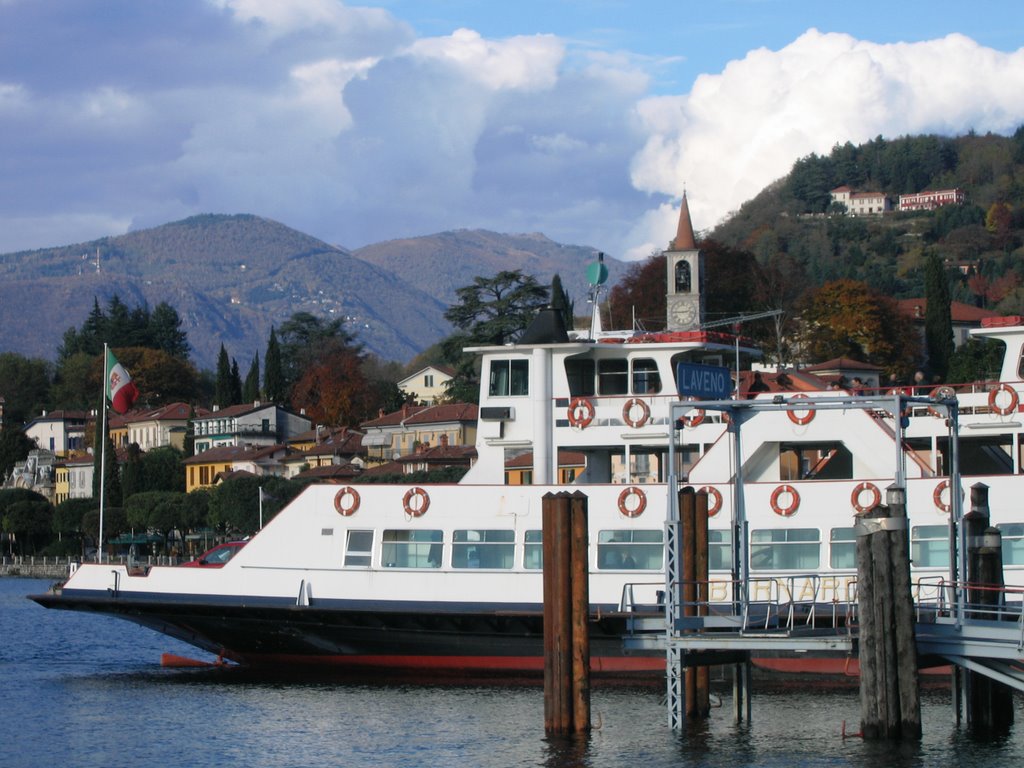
(628, 602)
(985, 603)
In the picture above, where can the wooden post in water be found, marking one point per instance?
(688, 519)
(890, 701)
(989, 702)
(566, 614)
(700, 559)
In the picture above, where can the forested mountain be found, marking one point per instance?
(792, 226)
(231, 277)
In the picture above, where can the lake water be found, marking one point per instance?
(85, 690)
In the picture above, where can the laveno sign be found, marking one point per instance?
(708, 382)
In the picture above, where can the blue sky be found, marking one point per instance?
(360, 122)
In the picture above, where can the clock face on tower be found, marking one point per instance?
(684, 314)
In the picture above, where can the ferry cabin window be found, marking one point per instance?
(785, 549)
(842, 552)
(1013, 543)
(815, 461)
(483, 549)
(579, 372)
(646, 379)
(719, 550)
(412, 549)
(509, 378)
(533, 552)
(929, 546)
(613, 376)
(629, 549)
(358, 548)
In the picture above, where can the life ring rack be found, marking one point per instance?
(627, 412)
(874, 499)
(641, 503)
(343, 509)
(807, 418)
(1000, 409)
(794, 501)
(419, 509)
(581, 412)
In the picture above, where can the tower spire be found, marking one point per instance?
(684, 240)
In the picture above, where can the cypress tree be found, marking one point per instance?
(273, 376)
(938, 321)
(251, 388)
(236, 383)
(222, 390)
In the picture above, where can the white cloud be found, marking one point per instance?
(738, 131)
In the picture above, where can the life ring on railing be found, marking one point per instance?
(641, 501)
(581, 412)
(696, 418)
(416, 510)
(875, 498)
(800, 420)
(937, 497)
(941, 392)
(339, 501)
(627, 412)
(789, 509)
(714, 499)
(1007, 409)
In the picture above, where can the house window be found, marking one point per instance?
(358, 548)
(784, 549)
(412, 549)
(483, 549)
(428, 380)
(509, 378)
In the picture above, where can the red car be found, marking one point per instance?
(215, 557)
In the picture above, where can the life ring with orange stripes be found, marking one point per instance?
(422, 499)
(1001, 409)
(794, 501)
(874, 499)
(714, 499)
(581, 412)
(627, 412)
(800, 420)
(937, 497)
(625, 497)
(350, 508)
(694, 417)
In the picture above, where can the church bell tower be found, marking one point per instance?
(684, 302)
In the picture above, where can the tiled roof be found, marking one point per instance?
(440, 454)
(234, 453)
(395, 417)
(436, 414)
(331, 472)
(959, 312)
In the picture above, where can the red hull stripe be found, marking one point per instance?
(461, 664)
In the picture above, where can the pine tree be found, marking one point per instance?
(222, 389)
(938, 322)
(273, 376)
(251, 388)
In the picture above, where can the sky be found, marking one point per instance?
(360, 122)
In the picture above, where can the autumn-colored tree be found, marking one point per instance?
(333, 390)
(847, 318)
(999, 221)
(640, 294)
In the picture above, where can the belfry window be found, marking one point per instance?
(682, 277)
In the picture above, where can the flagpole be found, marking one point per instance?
(103, 456)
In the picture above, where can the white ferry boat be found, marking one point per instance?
(446, 579)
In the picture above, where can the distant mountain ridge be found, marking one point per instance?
(231, 277)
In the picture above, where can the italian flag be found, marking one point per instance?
(121, 390)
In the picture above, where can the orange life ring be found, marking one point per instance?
(800, 420)
(1003, 410)
(941, 392)
(937, 497)
(627, 412)
(581, 412)
(626, 495)
(792, 507)
(714, 499)
(346, 509)
(420, 509)
(696, 418)
(875, 499)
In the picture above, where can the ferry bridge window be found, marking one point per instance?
(629, 549)
(509, 378)
(1013, 543)
(785, 549)
(412, 549)
(483, 549)
(719, 550)
(979, 455)
(842, 548)
(613, 376)
(358, 548)
(815, 461)
(646, 379)
(929, 546)
(580, 372)
(533, 552)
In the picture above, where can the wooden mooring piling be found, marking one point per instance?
(566, 614)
